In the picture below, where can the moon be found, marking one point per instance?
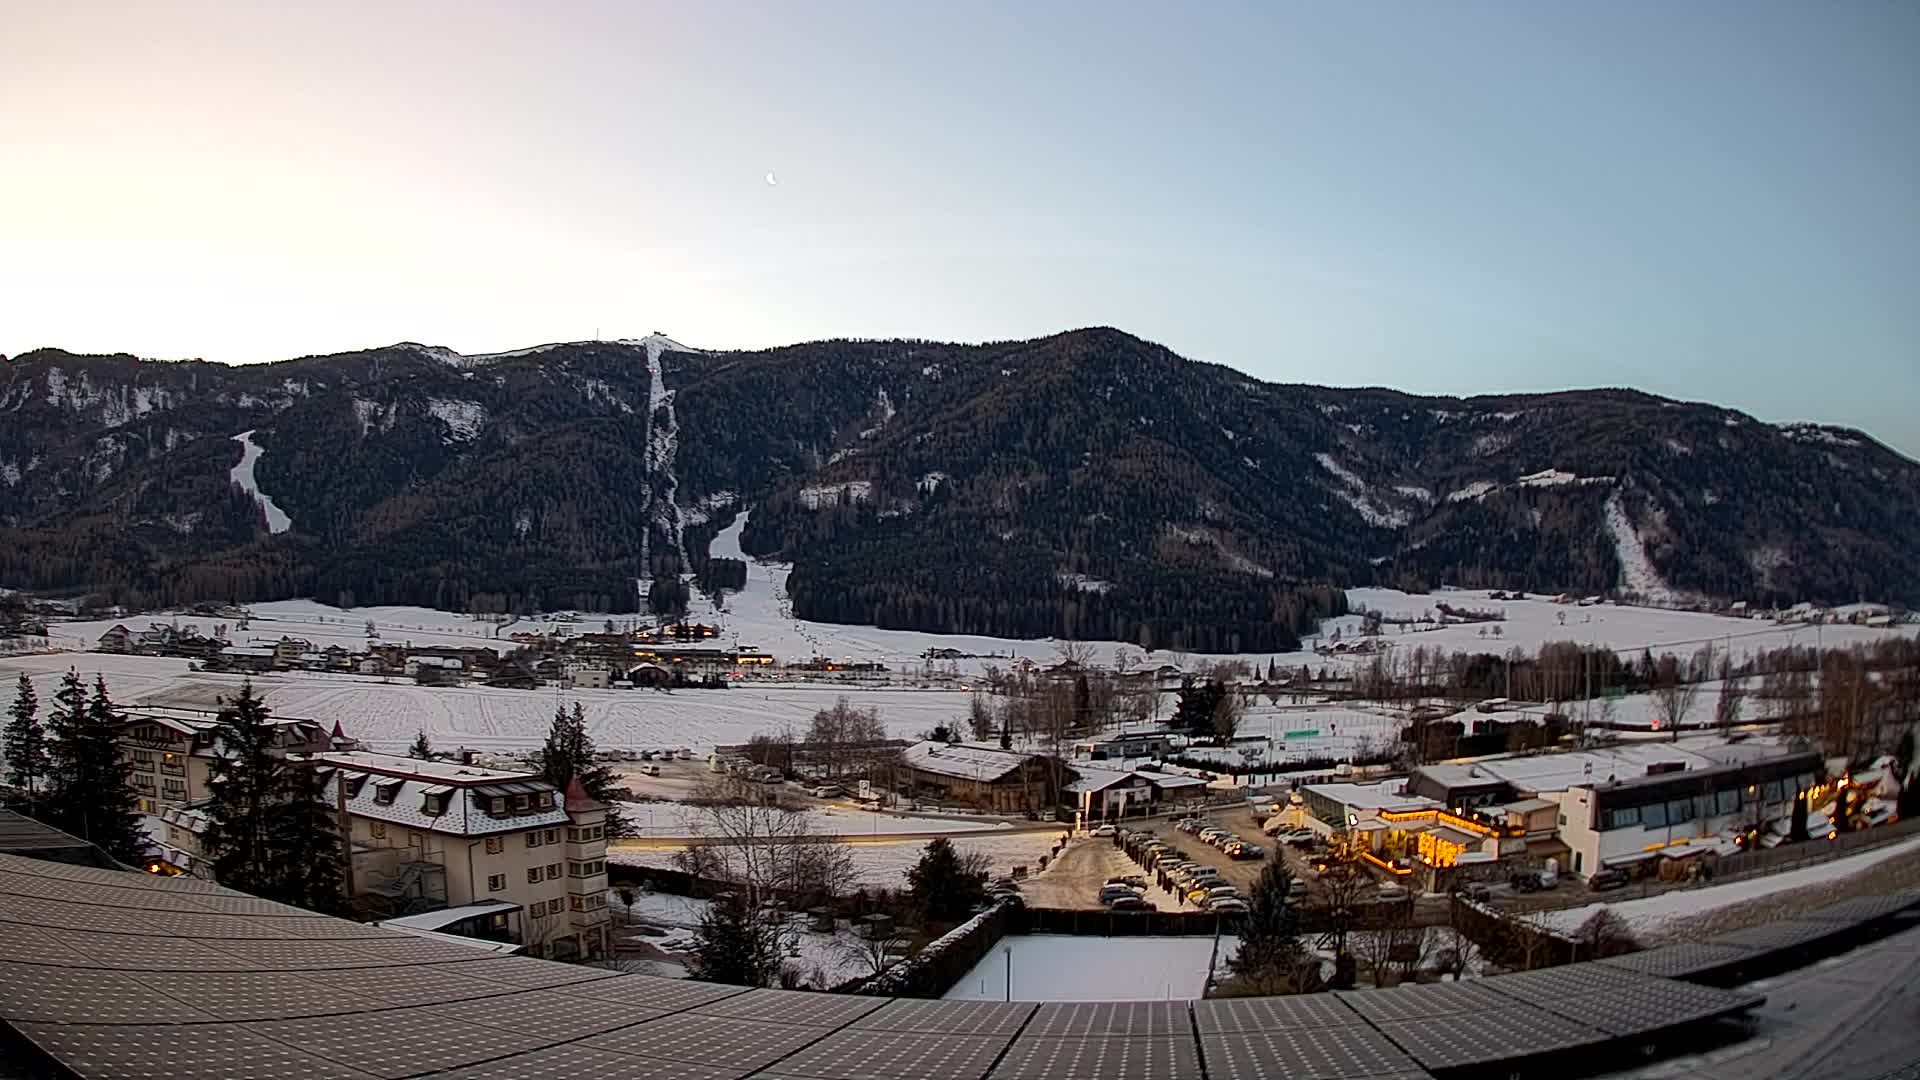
(772, 180)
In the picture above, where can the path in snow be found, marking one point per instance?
(663, 443)
(242, 474)
(1637, 574)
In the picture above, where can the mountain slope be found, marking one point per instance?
(1086, 484)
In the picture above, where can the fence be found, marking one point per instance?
(1509, 942)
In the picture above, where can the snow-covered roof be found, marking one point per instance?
(446, 772)
(401, 800)
(1381, 796)
(445, 917)
(1099, 779)
(966, 762)
(1173, 780)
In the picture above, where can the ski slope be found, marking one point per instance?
(242, 474)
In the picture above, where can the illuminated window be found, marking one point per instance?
(377, 830)
(495, 845)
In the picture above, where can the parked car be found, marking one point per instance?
(648, 769)
(1104, 830)
(1131, 903)
(1391, 893)
(1603, 880)
(685, 754)
(1296, 889)
(1532, 880)
(1223, 892)
(827, 791)
(646, 755)
(1478, 890)
(1134, 880)
(1244, 850)
(1110, 893)
(1223, 907)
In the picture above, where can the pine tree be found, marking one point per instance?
(730, 947)
(242, 782)
(87, 791)
(25, 743)
(569, 752)
(1269, 957)
(270, 830)
(421, 748)
(304, 842)
(944, 884)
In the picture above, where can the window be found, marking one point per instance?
(434, 805)
(533, 878)
(384, 792)
(553, 836)
(496, 882)
(553, 871)
(1655, 816)
(1774, 792)
(1703, 806)
(545, 799)
(144, 783)
(497, 804)
(414, 839)
(495, 845)
(519, 802)
(533, 839)
(579, 902)
(1728, 801)
(377, 830)
(143, 759)
(1623, 818)
(1563, 819)
(174, 788)
(1679, 811)
(586, 869)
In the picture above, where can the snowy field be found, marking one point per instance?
(1656, 917)
(882, 863)
(386, 713)
(675, 820)
(1055, 967)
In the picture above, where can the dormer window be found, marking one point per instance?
(545, 800)
(497, 804)
(434, 805)
(521, 802)
(385, 792)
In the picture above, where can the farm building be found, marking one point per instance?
(1003, 781)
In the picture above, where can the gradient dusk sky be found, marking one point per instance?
(1714, 201)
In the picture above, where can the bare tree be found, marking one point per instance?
(1455, 952)
(1673, 694)
(873, 955)
(1603, 934)
(1078, 654)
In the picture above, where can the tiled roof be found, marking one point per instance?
(966, 762)
(466, 814)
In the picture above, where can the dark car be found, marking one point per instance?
(1602, 880)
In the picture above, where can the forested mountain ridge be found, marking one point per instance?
(1086, 484)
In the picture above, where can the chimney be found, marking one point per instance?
(466, 756)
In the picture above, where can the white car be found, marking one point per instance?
(1104, 830)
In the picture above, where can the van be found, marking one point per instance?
(649, 770)
(1602, 880)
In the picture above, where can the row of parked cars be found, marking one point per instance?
(1233, 846)
(1200, 884)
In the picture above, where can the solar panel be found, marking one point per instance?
(526, 973)
(253, 995)
(400, 949)
(653, 992)
(1652, 1009)
(1863, 909)
(419, 984)
(86, 996)
(948, 1017)
(397, 1043)
(1054, 1020)
(1535, 986)
(563, 1018)
(1101, 1057)
(1328, 1053)
(1781, 935)
(131, 952)
(572, 1062)
(1268, 1013)
(30, 945)
(1680, 961)
(707, 1040)
(1516, 1031)
(896, 1054)
(218, 1052)
(1431, 999)
(793, 1007)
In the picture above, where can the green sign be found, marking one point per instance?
(1310, 733)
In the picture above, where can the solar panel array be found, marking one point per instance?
(1736, 949)
(121, 974)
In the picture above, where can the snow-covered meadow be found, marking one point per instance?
(1056, 967)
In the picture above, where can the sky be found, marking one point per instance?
(1714, 201)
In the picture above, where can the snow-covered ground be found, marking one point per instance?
(883, 862)
(1055, 967)
(678, 820)
(822, 959)
(1655, 917)
(242, 474)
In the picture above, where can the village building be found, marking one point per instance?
(1000, 781)
(169, 752)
